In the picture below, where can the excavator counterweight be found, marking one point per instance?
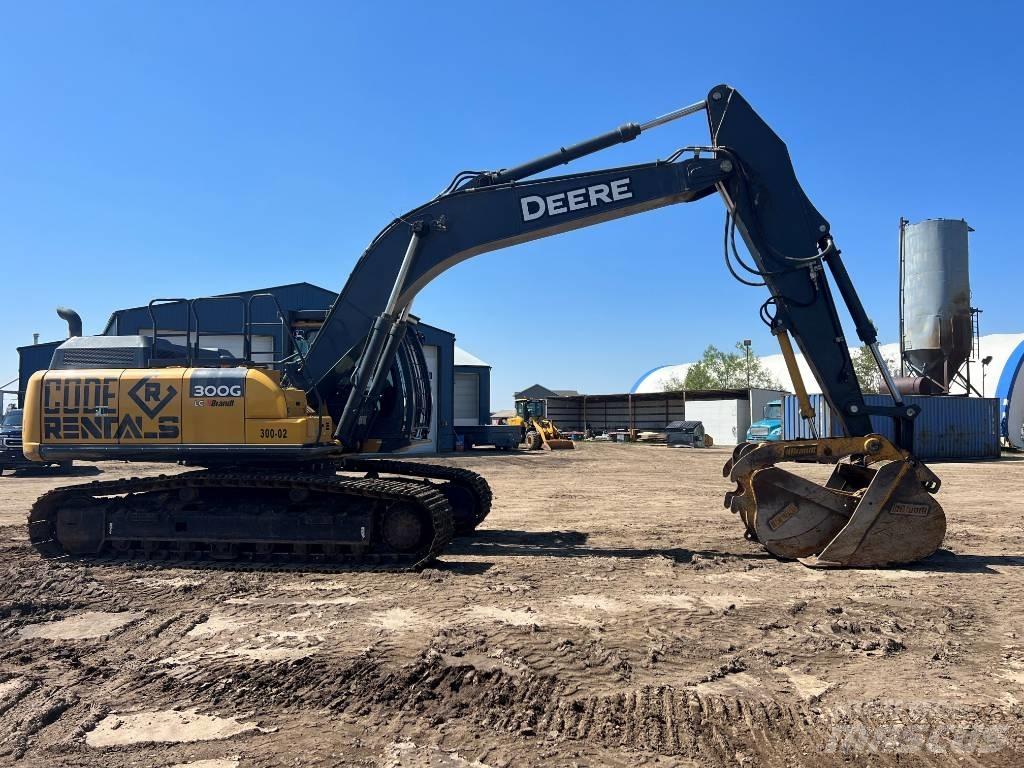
(285, 479)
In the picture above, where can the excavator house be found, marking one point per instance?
(292, 466)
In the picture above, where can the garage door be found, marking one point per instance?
(429, 446)
(467, 399)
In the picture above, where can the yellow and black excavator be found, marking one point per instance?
(538, 431)
(285, 476)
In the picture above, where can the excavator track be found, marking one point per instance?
(239, 519)
(468, 492)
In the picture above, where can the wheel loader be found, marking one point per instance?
(538, 431)
(290, 465)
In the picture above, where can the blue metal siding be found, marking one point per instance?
(795, 428)
(947, 428)
(32, 358)
(445, 343)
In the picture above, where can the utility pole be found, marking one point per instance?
(746, 347)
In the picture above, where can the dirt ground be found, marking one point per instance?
(608, 612)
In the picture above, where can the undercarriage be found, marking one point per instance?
(352, 518)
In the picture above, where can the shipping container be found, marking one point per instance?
(947, 428)
(794, 427)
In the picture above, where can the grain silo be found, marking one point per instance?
(936, 318)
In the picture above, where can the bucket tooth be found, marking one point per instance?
(737, 453)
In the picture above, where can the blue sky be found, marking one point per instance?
(195, 148)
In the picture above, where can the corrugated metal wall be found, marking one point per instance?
(604, 414)
(795, 428)
(724, 418)
(948, 427)
(565, 413)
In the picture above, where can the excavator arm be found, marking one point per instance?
(357, 357)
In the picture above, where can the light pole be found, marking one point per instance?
(746, 347)
(984, 366)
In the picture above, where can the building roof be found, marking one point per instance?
(506, 414)
(538, 392)
(47, 344)
(691, 394)
(462, 357)
(268, 289)
(328, 296)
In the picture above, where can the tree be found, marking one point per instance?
(868, 375)
(725, 370)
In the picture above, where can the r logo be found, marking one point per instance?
(152, 399)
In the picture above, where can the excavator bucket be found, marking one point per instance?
(876, 509)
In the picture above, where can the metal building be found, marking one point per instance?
(219, 320)
(1010, 395)
(726, 413)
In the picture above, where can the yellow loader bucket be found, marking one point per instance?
(558, 444)
(876, 509)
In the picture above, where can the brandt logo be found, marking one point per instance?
(913, 510)
(783, 517)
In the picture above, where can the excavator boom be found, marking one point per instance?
(791, 247)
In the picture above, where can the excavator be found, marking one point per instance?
(288, 464)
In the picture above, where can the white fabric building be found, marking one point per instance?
(999, 345)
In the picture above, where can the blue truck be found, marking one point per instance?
(769, 427)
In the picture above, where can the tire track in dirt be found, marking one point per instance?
(668, 720)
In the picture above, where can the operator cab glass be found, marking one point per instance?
(12, 418)
(530, 409)
(773, 411)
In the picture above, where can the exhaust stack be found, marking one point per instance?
(73, 319)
